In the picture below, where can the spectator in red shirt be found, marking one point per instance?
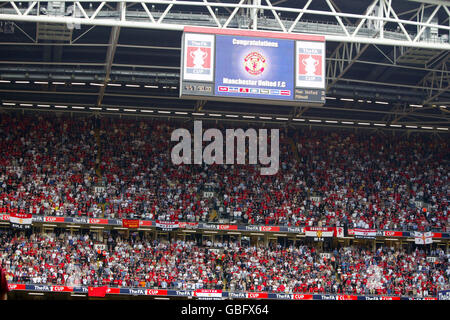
(3, 285)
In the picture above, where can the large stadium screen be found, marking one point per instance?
(250, 66)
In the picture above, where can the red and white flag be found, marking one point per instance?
(21, 220)
(97, 291)
(423, 238)
(339, 232)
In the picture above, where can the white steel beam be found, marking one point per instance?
(348, 33)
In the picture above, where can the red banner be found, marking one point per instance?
(436, 234)
(97, 291)
(156, 292)
(130, 223)
(393, 233)
(257, 295)
(390, 298)
(113, 291)
(53, 219)
(13, 286)
(145, 223)
(97, 221)
(346, 297)
(302, 297)
(227, 227)
(270, 229)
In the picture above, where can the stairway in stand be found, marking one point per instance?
(294, 148)
(99, 149)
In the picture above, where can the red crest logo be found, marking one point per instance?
(254, 63)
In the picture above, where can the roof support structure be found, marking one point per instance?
(410, 32)
(114, 38)
(438, 80)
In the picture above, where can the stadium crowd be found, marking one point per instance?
(54, 165)
(74, 260)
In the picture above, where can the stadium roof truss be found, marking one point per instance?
(387, 60)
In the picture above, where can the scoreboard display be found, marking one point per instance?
(251, 66)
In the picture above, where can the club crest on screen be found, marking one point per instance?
(255, 63)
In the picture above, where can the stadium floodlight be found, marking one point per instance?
(58, 83)
(210, 231)
(96, 84)
(8, 104)
(215, 115)
(347, 122)
(416, 105)
(132, 85)
(314, 120)
(41, 82)
(115, 85)
(26, 105)
(180, 112)
(129, 110)
(76, 107)
(331, 121)
(381, 102)
(283, 119)
(396, 125)
(164, 111)
(147, 111)
(78, 83)
(298, 119)
(22, 81)
(256, 234)
(266, 118)
(110, 109)
(330, 98)
(61, 107)
(153, 87)
(443, 129)
(249, 117)
(73, 226)
(347, 99)
(95, 108)
(430, 128)
(49, 225)
(43, 105)
(5, 81)
(364, 123)
(380, 124)
(413, 127)
(231, 116)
